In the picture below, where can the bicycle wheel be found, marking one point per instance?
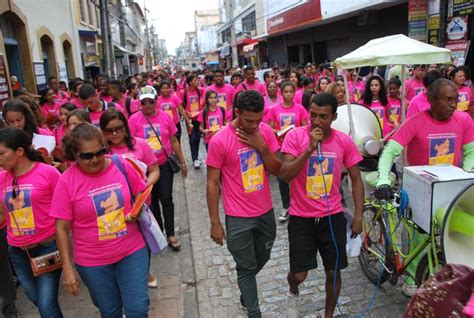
(374, 247)
(422, 271)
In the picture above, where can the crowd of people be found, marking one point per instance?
(250, 129)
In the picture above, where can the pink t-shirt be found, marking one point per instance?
(96, 205)
(106, 99)
(164, 126)
(287, 116)
(418, 104)
(299, 96)
(355, 90)
(59, 134)
(215, 121)
(307, 192)
(413, 88)
(49, 111)
(464, 98)
(95, 116)
(381, 113)
(44, 131)
(395, 107)
(141, 152)
(245, 187)
(269, 104)
(431, 142)
(170, 106)
(134, 105)
(77, 102)
(256, 86)
(194, 101)
(225, 95)
(30, 223)
(61, 97)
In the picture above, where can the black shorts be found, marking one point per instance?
(307, 236)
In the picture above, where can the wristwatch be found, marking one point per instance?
(183, 165)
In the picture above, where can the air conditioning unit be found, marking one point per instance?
(368, 17)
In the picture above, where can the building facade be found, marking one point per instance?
(206, 24)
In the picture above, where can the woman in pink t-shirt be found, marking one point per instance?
(458, 76)
(356, 87)
(159, 131)
(308, 85)
(323, 83)
(16, 113)
(27, 190)
(281, 117)
(394, 102)
(92, 203)
(172, 105)
(212, 118)
(49, 107)
(296, 79)
(272, 98)
(375, 98)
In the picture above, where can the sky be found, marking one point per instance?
(172, 18)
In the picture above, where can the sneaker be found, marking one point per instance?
(292, 305)
(242, 305)
(152, 282)
(283, 215)
(409, 290)
(197, 164)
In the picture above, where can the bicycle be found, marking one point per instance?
(380, 237)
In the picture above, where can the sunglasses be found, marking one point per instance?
(91, 155)
(15, 188)
(114, 130)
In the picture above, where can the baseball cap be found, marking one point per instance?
(147, 92)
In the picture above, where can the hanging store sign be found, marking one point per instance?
(457, 28)
(417, 22)
(296, 17)
(463, 7)
(459, 50)
(40, 76)
(4, 86)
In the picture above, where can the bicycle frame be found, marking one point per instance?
(389, 212)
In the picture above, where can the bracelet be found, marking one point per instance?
(183, 165)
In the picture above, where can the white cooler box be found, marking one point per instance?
(432, 187)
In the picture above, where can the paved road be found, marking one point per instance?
(200, 281)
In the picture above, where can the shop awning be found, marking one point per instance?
(246, 41)
(87, 33)
(249, 47)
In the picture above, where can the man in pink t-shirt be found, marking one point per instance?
(225, 92)
(250, 83)
(414, 86)
(314, 172)
(420, 102)
(240, 157)
(94, 105)
(440, 135)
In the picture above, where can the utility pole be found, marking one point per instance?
(109, 42)
(104, 12)
(147, 41)
(235, 57)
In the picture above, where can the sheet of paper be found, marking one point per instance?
(284, 131)
(41, 141)
(448, 172)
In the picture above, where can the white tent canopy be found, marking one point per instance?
(393, 49)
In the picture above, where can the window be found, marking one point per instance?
(249, 23)
(91, 7)
(97, 16)
(82, 11)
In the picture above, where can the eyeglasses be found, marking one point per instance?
(91, 155)
(15, 188)
(114, 130)
(148, 102)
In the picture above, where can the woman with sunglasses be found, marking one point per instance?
(27, 190)
(161, 135)
(93, 199)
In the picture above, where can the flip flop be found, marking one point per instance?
(174, 243)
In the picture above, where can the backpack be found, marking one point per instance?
(205, 111)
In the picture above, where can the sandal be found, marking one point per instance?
(174, 243)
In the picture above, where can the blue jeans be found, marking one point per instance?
(42, 290)
(194, 140)
(123, 284)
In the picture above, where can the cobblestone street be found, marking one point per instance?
(200, 281)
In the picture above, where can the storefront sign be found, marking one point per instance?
(4, 87)
(417, 22)
(40, 75)
(298, 16)
(463, 7)
(458, 50)
(433, 22)
(457, 28)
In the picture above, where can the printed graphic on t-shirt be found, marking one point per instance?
(193, 103)
(214, 123)
(442, 150)
(286, 120)
(251, 165)
(222, 100)
(22, 221)
(151, 138)
(315, 188)
(419, 90)
(463, 102)
(167, 107)
(108, 204)
(380, 113)
(395, 113)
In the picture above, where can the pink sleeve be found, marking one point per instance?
(232, 94)
(132, 125)
(215, 154)
(118, 107)
(290, 143)
(61, 205)
(177, 100)
(270, 138)
(171, 126)
(239, 88)
(136, 182)
(468, 129)
(149, 157)
(201, 116)
(351, 153)
(412, 109)
(272, 113)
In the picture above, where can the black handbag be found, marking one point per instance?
(172, 160)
